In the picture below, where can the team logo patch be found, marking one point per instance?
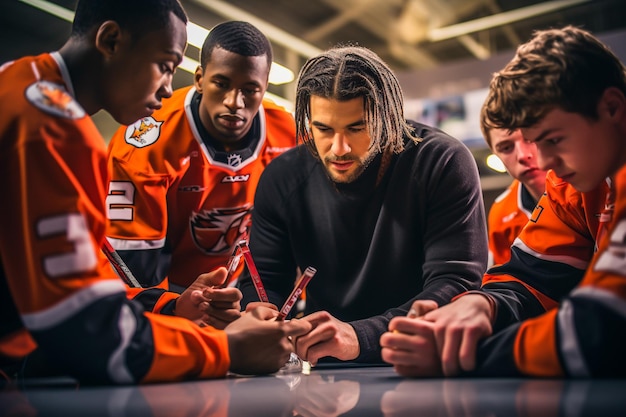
(214, 231)
(143, 132)
(54, 99)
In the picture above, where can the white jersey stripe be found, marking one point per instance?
(58, 313)
(568, 260)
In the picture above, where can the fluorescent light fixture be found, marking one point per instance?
(196, 34)
(195, 37)
(495, 163)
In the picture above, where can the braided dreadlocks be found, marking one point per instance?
(347, 72)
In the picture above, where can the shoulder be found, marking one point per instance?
(508, 194)
(34, 95)
(437, 154)
(289, 170)
(149, 137)
(277, 117)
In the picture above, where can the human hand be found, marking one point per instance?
(458, 327)
(328, 337)
(259, 345)
(205, 302)
(254, 304)
(410, 344)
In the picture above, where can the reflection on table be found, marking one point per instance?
(325, 392)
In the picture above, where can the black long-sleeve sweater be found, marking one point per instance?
(420, 234)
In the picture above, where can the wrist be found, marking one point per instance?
(491, 306)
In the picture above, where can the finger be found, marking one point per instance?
(262, 312)
(450, 353)
(222, 294)
(295, 328)
(421, 307)
(255, 304)
(225, 305)
(413, 326)
(467, 353)
(213, 278)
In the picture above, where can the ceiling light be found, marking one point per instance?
(495, 163)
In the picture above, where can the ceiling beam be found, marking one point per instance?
(500, 19)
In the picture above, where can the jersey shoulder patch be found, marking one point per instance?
(54, 99)
(144, 132)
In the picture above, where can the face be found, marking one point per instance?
(520, 159)
(341, 137)
(581, 151)
(142, 70)
(232, 88)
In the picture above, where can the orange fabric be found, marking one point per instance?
(164, 183)
(536, 348)
(52, 174)
(17, 345)
(505, 221)
(182, 344)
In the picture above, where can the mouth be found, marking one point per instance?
(341, 165)
(566, 177)
(231, 119)
(529, 172)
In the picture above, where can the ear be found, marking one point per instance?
(612, 104)
(197, 79)
(108, 38)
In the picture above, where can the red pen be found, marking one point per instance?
(254, 273)
(301, 284)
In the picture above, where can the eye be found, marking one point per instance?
(168, 68)
(220, 84)
(553, 141)
(356, 129)
(505, 149)
(250, 91)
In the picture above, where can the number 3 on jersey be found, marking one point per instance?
(74, 227)
(120, 200)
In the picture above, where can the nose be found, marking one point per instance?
(340, 145)
(525, 151)
(234, 99)
(166, 89)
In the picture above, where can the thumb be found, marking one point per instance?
(297, 327)
(421, 307)
(213, 278)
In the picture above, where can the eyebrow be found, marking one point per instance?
(542, 136)
(353, 124)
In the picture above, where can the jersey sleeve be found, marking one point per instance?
(549, 257)
(584, 336)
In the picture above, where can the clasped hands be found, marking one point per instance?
(433, 341)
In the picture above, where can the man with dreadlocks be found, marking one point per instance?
(183, 180)
(387, 211)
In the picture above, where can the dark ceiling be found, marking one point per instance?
(408, 34)
(413, 36)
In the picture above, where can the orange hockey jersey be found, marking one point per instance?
(58, 291)
(585, 335)
(507, 216)
(176, 205)
(551, 253)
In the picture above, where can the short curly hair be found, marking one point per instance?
(565, 68)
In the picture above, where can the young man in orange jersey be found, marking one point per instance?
(511, 210)
(566, 91)
(61, 301)
(183, 179)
